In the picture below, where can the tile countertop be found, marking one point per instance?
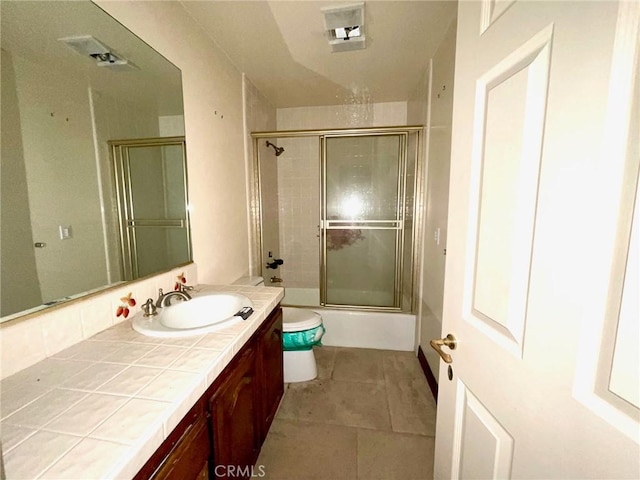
(100, 408)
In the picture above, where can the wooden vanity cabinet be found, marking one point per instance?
(245, 401)
(227, 426)
(185, 453)
(235, 425)
(269, 369)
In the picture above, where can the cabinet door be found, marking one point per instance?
(270, 369)
(184, 454)
(234, 417)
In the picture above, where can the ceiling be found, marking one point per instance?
(283, 48)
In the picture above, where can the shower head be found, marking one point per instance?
(278, 150)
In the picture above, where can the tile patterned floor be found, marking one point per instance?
(369, 415)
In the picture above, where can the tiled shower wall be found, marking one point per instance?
(299, 203)
(299, 179)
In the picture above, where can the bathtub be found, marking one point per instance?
(362, 329)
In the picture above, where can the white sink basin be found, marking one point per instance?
(203, 310)
(202, 314)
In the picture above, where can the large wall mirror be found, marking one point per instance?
(77, 86)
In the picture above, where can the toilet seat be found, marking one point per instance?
(299, 319)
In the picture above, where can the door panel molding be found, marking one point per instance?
(476, 426)
(504, 183)
(491, 11)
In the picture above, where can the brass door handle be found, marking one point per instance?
(448, 341)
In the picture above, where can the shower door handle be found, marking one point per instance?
(448, 341)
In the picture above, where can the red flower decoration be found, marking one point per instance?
(123, 309)
(181, 279)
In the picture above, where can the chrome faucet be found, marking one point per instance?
(164, 299)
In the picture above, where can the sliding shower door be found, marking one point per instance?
(363, 191)
(152, 200)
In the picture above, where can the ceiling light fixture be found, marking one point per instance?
(345, 27)
(86, 45)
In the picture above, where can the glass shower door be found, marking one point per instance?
(152, 194)
(362, 224)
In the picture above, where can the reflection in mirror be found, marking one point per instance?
(154, 222)
(74, 79)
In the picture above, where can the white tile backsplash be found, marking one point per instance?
(24, 342)
(61, 329)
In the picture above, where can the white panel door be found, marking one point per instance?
(541, 288)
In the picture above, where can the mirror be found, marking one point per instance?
(75, 82)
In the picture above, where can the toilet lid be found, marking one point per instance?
(299, 319)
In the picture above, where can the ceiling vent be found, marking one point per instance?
(345, 27)
(103, 55)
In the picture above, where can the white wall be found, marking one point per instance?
(437, 188)
(343, 116)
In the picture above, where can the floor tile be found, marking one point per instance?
(325, 361)
(338, 403)
(359, 365)
(381, 395)
(394, 456)
(297, 451)
(411, 404)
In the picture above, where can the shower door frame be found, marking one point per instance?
(255, 205)
(119, 150)
(398, 222)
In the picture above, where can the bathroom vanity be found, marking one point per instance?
(124, 405)
(222, 434)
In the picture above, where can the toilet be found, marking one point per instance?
(301, 330)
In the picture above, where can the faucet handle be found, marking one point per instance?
(181, 287)
(149, 308)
